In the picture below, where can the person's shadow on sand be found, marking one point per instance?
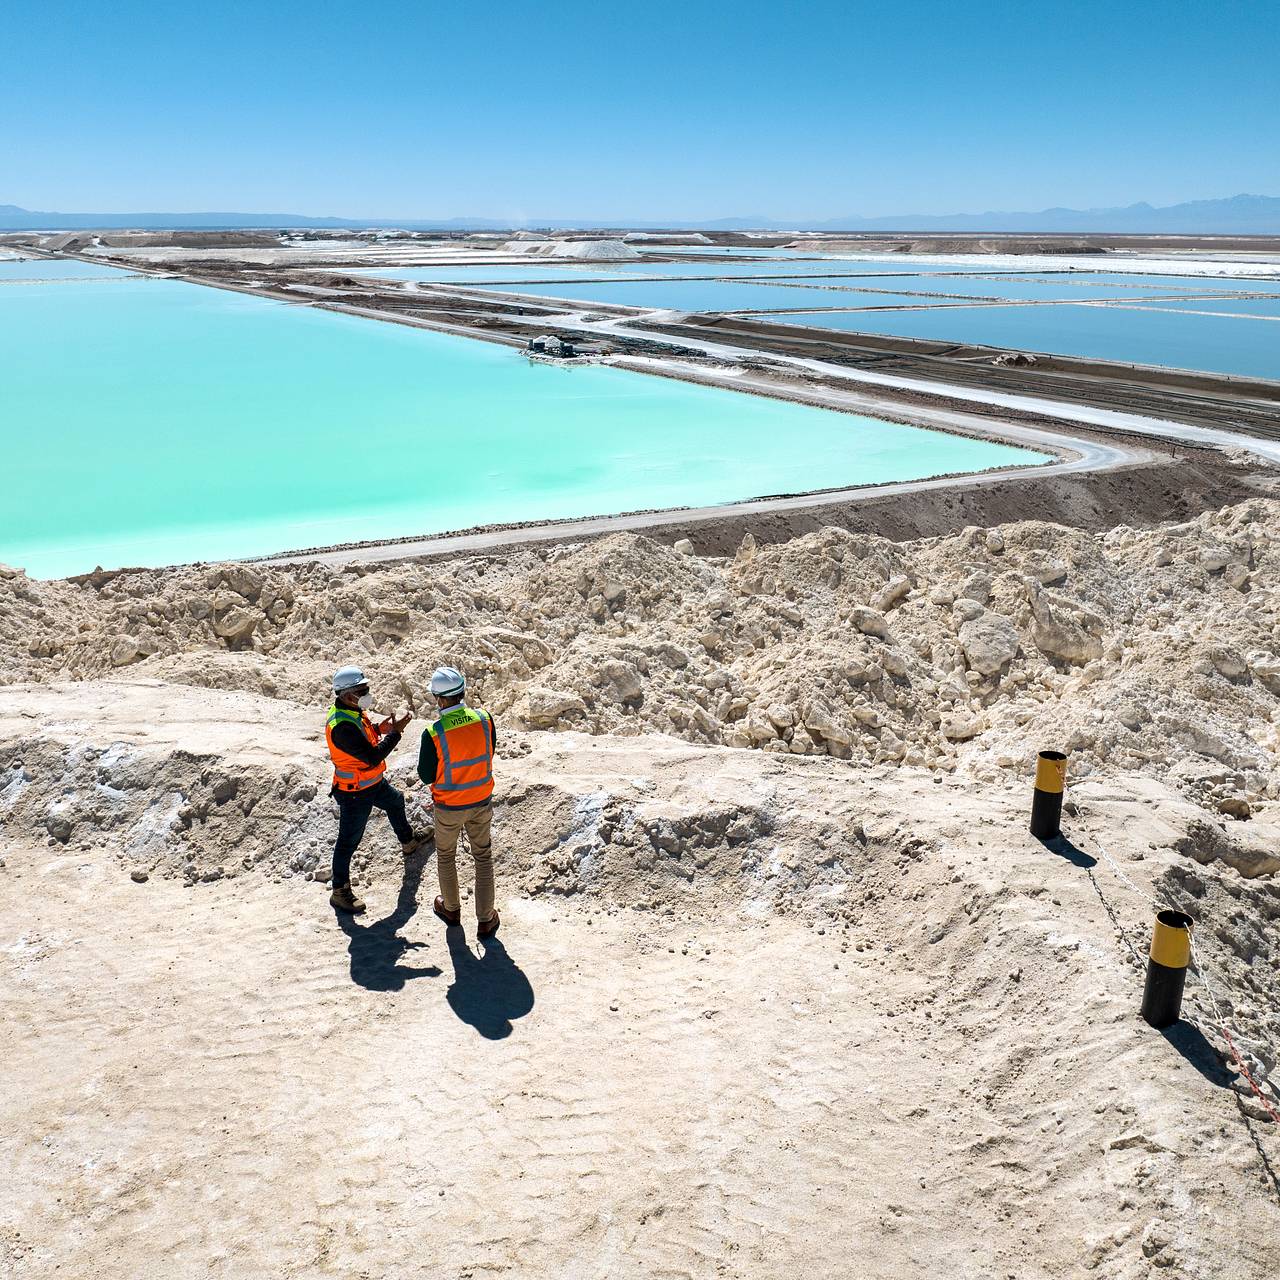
(488, 990)
(376, 949)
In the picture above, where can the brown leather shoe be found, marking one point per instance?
(449, 917)
(486, 928)
(344, 899)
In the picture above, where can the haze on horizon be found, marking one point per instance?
(685, 111)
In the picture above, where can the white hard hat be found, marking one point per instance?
(447, 681)
(348, 678)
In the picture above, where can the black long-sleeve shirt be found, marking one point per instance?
(350, 737)
(429, 760)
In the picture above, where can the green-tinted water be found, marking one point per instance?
(152, 422)
(22, 270)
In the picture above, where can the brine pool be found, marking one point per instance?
(153, 422)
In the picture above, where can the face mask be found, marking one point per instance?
(365, 701)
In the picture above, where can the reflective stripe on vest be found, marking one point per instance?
(350, 773)
(466, 780)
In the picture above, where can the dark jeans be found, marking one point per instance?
(354, 808)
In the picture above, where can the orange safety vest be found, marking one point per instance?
(464, 758)
(350, 774)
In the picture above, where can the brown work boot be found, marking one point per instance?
(344, 899)
(449, 917)
(486, 928)
(415, 841)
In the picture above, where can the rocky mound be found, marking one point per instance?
(1137, 649)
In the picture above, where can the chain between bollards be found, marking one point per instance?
(1171, 938)
(1046, 801)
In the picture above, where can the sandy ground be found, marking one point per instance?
(1169, 489)
(883, 1033)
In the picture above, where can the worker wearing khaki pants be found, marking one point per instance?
(456, 760)
(450, 824)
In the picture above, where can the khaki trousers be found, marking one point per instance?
(450, 823)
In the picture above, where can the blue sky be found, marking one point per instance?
(697, 109)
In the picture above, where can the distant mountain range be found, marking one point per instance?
(1237, 215)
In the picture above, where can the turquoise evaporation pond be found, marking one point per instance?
(55, 269)
(1131, 335)
(156, 421)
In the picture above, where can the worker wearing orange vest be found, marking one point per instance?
(359, 750)
(456, 759)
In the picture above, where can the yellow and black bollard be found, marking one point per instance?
(1046, 803)
(1167, 969)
